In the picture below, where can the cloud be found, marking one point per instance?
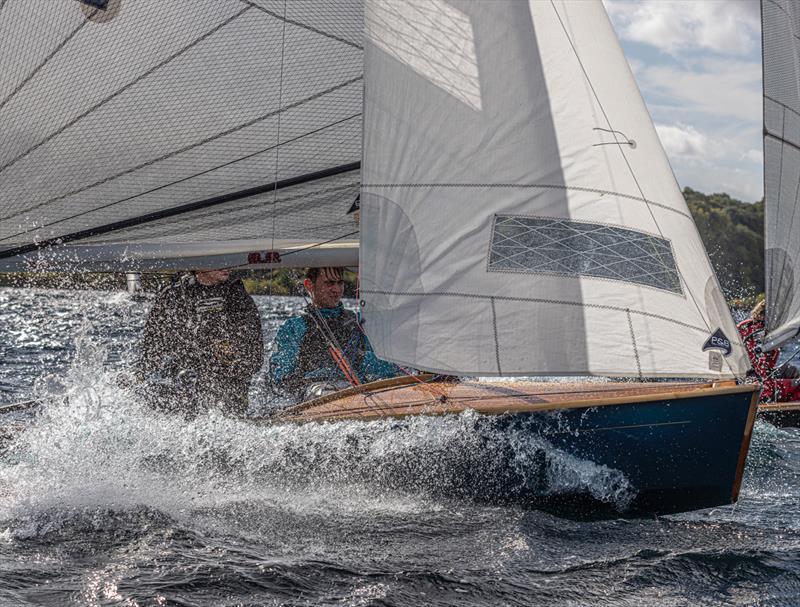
(678, 27)
(721, 88)
(709, 161)
(682, 141)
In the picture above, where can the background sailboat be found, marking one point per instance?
(519, 214)
(781, 60)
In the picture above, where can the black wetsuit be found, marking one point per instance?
(201, 347)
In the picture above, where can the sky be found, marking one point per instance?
(698, 65)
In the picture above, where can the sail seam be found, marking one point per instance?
(198, 144)
(526, 185)
(302, 25)
(785, 12)
(538, 300)
(36, 70)
(123, 89)
(496, 340)
(175, 227)
(633, 341)
(783, 105)
(782, 140)
(161, 187)
(171, 212)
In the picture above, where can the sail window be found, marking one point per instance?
(573, 248)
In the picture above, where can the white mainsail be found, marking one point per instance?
(781, 50)
(519, 215)
(166, 134)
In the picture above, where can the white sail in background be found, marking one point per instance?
(138, 130)
(781, 28)
(519, 215)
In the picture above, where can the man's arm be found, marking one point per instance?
(374, 368)
(154, 346)
(247, 353)
(284, 361)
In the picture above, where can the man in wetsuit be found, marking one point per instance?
(324, 345)
(201, 346)
(783, 386)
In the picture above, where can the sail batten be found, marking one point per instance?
(499, 229)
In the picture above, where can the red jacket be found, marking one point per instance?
(752, 332)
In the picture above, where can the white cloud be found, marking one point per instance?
(721, 88)
(708, 161)
(677, 27)
(682, 141)
(756, 156)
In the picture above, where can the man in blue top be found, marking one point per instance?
(324, 344)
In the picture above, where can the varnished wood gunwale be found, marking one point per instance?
(437, 398)
(748, 435)
(779, 407)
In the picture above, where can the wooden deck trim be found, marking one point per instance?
(745, 447)
(371, 413)
(375, 386)
(778, 407)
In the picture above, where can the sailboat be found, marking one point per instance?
(781, 60)
(518, 215)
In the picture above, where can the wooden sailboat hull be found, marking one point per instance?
(680, 446)
(784, 415)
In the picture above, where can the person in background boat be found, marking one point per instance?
(324, 348)
(780, 386)
(201, 346)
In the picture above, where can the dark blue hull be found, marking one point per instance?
(678, 455)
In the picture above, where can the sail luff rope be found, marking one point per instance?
(638, 185)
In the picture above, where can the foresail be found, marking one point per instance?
(781, 28)
(519, 215)
(157, 128)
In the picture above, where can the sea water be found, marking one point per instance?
(103, 502)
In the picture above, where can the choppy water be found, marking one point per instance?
(102, 503)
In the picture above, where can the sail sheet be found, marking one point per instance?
(781, 54)
(139, 126)
(519, 215)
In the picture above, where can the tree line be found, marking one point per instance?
(733, 234)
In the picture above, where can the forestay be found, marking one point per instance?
(781, 28)
(519, 215)
(171, 134)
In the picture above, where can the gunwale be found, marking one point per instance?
(408, 396)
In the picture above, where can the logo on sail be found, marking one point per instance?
(718, 341)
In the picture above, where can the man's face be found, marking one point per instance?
(327, 290)
(210, 278)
